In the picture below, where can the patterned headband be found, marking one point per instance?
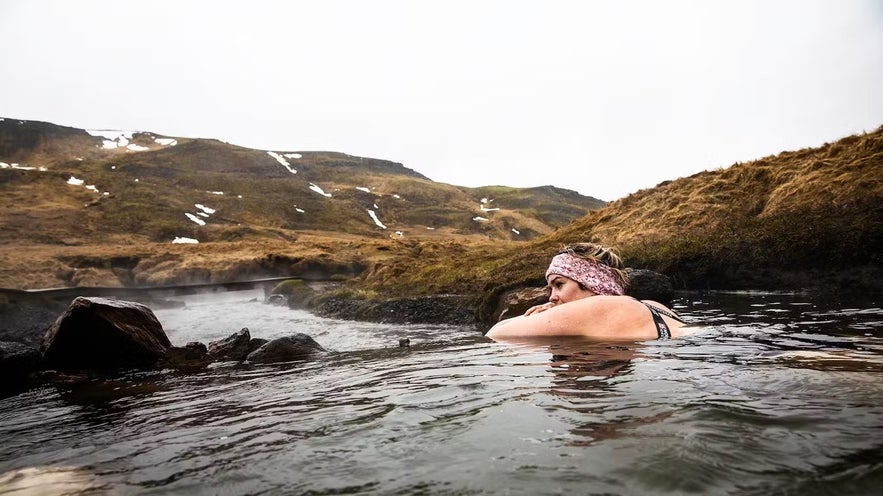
(595, 276)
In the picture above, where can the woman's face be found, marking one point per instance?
(565, 290)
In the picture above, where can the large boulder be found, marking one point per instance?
(517, 302)
(298, 346)
(649, 285)
(104, 333)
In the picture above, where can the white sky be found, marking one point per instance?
(602, 97)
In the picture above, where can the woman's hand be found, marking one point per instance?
(538, 308)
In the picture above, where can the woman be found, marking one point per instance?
(587, 283)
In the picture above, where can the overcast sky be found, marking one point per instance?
(602, 97)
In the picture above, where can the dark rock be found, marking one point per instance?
(192, 356)
(235, 347)
(649, 285)
(418, 310)
(517, 302)
(295, 347)
(17, 362)
(25, 317)
(404, 343)
(104, 333)
(255, 343)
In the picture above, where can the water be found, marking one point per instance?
(778, 394)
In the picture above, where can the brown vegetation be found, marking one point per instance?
(810, 218)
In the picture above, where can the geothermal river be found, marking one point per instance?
(780, 393)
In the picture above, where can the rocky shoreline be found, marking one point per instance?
(42, 339)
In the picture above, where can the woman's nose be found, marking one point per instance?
(553, 298)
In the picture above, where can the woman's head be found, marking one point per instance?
(594, 269)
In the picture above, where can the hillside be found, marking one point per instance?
(128, 195)
(804, 219)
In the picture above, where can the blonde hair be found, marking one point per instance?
(600, 254)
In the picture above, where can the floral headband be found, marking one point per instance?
(595, 276)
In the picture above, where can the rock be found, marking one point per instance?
(295, 347)
(192, 356)
(404, 343)
(649, 285)
(236, 347)
(444, 309)
(104, 333)
(17, 362)
(517, 302)
(24, 317)
(295, 293)
(254, 344)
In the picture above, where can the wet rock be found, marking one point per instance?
(104, 333)
(517, 302)
(295, 347)
(194, 355)
(277, 299)
(236, 347)
(649, 285)
(254, 344)
(295, 293)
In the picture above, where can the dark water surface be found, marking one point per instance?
(780, 393)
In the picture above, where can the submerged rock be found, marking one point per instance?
(295, 347)
(194, 355)
(104, 333)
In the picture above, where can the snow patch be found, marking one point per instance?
(366, 190)
(375, 219)
(166, 141)
(181, 240)
(281, 160)
(4, 165)
(205, 209)
(293, 155)
(76, 182)
(215, 192)
(136, 148)
(194, 218)
(299, 210)
(516, 231)
(479, 219)
(112, 139)
(319, 190)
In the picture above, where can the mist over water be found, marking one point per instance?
(778, 393)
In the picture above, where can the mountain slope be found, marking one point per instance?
(150, 188)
